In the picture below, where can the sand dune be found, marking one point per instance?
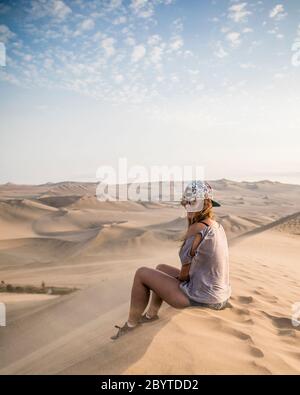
(58, 201)
(17, 216)
(61, 234)
(70, 188)
(91, 202)
(22, 210)
(255, 335)
(236, 225)
(291, 226)
(288, 224)
(36, 251)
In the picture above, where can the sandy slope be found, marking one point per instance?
(98, 248)
(254, 336)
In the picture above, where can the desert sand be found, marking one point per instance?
(62, 235)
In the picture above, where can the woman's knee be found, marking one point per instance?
(141, 271)
(160, 266)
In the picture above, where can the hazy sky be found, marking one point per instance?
(160, 82)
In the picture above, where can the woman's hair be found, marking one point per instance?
(199, 216)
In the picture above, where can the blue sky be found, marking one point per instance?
(170, 82)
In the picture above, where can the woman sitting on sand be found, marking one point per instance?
(204, 276)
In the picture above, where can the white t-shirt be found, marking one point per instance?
(209, 271)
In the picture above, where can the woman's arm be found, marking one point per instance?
(184, 273)
(195, 245)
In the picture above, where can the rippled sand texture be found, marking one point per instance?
(62, 235)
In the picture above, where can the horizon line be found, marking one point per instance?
(144, 182)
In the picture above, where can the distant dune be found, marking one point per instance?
(60, 234)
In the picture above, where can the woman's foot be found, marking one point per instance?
(146, 318)
(123, 330)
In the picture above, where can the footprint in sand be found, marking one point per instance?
(261, 368)
(266, 296)
(242, 314)
(257, 352)
(242, 335)
(245, 299)
(241, 311)
(287, 332)
(282, 323)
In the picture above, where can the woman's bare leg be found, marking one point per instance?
(164, 285)
(156, 301)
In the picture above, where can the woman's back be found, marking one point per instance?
(209, 271)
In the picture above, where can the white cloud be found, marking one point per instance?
(278, 12)
(248, 30)
(154, 39)
(176, 43)
(138, 53)
(178, 25)
(102, 66)
(238, 12)
(115, 3)
(234, 38)
(188, 53)
(142, 8)
(27, 57)
(129, 41)
(53, 8)
(119, 20)
(156, 54)
(275, 31)
(220, 51)
(6, 34)
(87, 24)
(225, 29)
(108, 46)
(146, 8)
(60, 9)
(97, 36)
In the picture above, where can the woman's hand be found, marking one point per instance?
(184, 273)
(183, 278)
